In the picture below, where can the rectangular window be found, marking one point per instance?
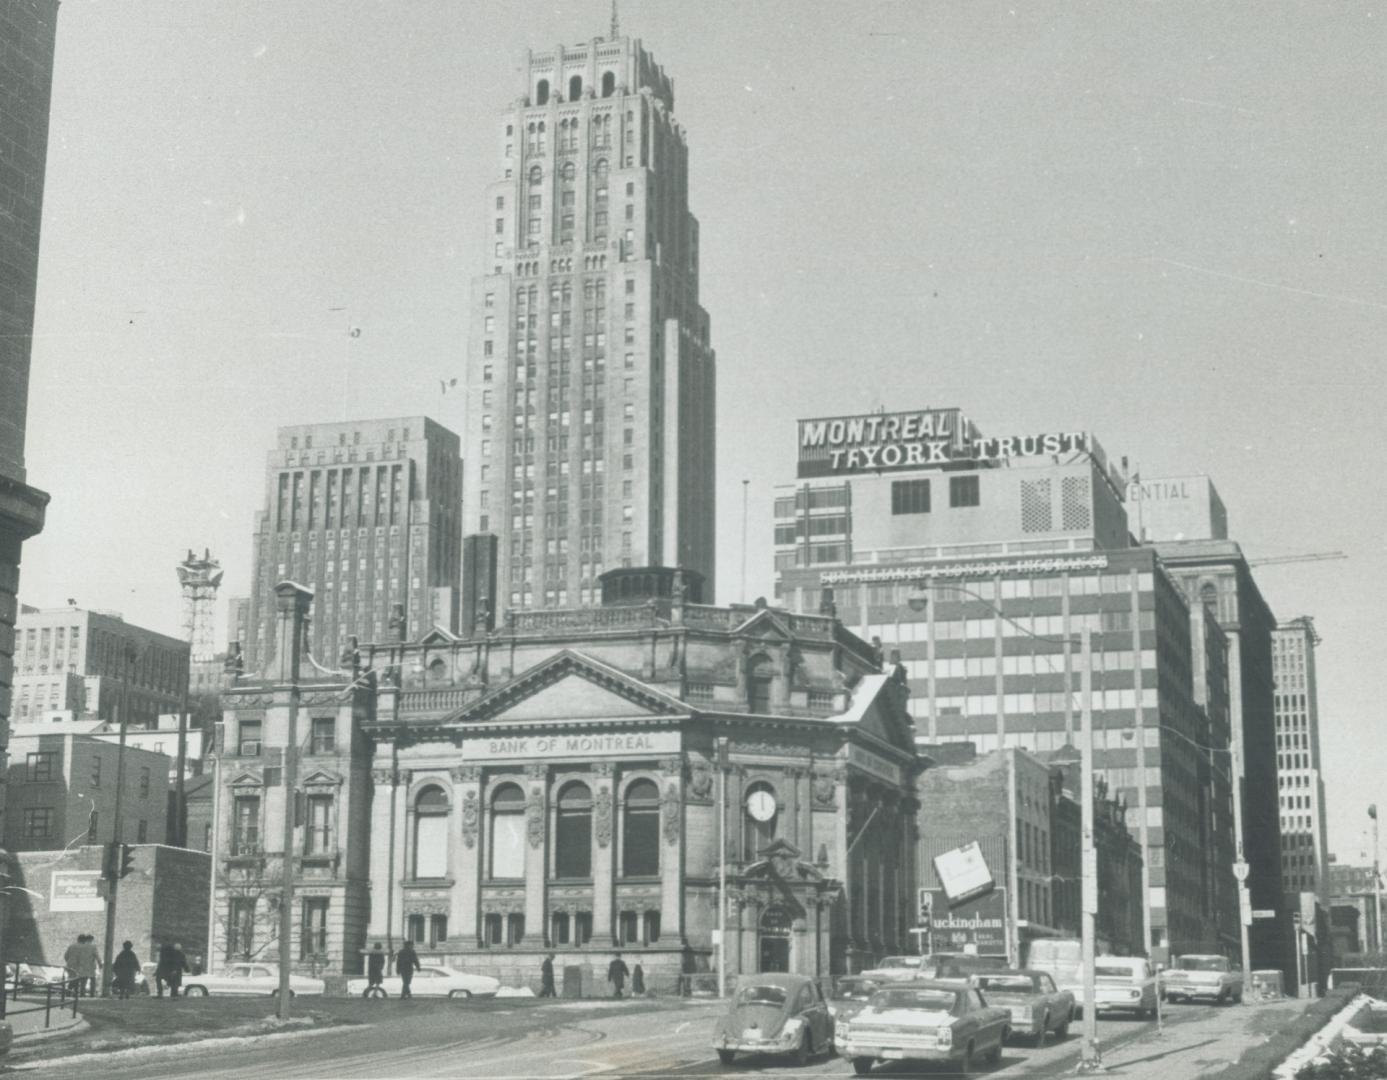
(317, 833)
(910, 497)
(963, 491)
(515, 929)
(240, 928)
(492, 929)
(628, 926)
(324, 735)
(245, 836)
(41, 766)
(249, 731)
(313, 929)
(38, 822)
(144, 783)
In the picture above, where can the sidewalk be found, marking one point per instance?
(1196, 1048)
(26, 1019)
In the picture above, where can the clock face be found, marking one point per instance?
(761, 805)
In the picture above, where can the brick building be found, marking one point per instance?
(553, 786)
(162, 899)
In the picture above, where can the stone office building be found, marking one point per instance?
(554, 785)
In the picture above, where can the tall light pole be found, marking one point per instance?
(1089, 1055)
(112, 862)
(292, 603)
(722, 866)
(1377, 880)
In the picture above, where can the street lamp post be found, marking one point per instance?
(1089, 1055)
(1377, 881)
(292, 603)
(722, 866)
(112, 861)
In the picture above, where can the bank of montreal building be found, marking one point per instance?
(1043, 537)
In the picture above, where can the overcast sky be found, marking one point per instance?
(1163, 223)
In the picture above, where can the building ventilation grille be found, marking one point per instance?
(1035, 506)
(1074, 499)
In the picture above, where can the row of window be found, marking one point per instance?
(39, 821)
(322, 736)
(913, 496)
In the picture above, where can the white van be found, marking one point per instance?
(1062, 958)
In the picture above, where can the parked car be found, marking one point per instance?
(924, 1021)
(961, 966)
(41, 976)
(431, 980)
(775, 1014)
(850, 994)
(897, 968)
(1124, 984)
(1212, 977)
(249, 979)
(1036, 1005)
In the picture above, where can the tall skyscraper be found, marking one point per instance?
(590, 431)
(1300, 783)
(27, 36)
(364, 513)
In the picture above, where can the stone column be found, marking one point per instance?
(464, 921)
(604, 852)
(536, 853)
(672, 849)
(382, 780)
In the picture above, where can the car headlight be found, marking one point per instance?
(843, 1029)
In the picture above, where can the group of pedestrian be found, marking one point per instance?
(406, 964)
(616, 975)
(83, 959)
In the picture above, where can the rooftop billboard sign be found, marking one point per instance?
(923, 439)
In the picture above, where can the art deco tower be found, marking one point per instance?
(590, 431)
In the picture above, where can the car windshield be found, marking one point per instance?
(761, 995)
(899, 961)
(855, 990)
(1120, 971)
(914, 998)
(1202, 963)
(1007, 984)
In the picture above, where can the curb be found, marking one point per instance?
(73, 1026)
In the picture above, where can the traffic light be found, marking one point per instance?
(925, 917)
(127, 859)
(109, 860)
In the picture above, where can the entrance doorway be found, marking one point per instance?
(775, 940)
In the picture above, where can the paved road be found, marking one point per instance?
(533, 1041)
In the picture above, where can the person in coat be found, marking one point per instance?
(88, 964)
(616, 974)
(125, 967)
(406, 964)
(637, 980)
(177, 966)
(375, 967)
(546, 977)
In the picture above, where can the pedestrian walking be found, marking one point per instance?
(637, 980)
(125, 967)
(88, 964)
(375, 968)
(177, 966)
(546, 977)
(72, 958)
(406, 964)
(616, 974)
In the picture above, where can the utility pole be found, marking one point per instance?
(722, 866)
(1377, 880)
(292, 603)
(111, 862)
(1090, 1058)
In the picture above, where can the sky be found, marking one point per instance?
(1162, 223)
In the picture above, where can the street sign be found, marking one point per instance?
(1089, 885)
(1241, 870)
(1263, 913)
(1245, 906)
(977, 925)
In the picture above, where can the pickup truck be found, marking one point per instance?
(1195, 976)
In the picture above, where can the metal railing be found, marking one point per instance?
(37, 990)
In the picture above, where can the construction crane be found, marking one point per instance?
(1311, 556)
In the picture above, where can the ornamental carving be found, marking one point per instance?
(701, 782)
(380, 777)
(471, 816)
(742, 746)
(466, 774)
(672, 766)
(534, 813)
(670, 811)
(824, 790)
(536, 770)
(602, 814)
(603, 769)
(503, 907)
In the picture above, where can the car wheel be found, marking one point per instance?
(965, 1064)
(374, 993)
(861, 1065)
(460, 995)
(193, 991)
(1044, 1030)
(801, 1055)
(727, 1056)
(996, 1054)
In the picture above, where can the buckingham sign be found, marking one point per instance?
(933, 438)
(977, 925)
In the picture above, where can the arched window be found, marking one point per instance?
(608, 83)
(542, 92)
(760, 813)
(575, 88)
(759, 676)
(536, 176)
(1208, 595)
(640, 830)
(573, 835)
(508, 832)
(431, 833)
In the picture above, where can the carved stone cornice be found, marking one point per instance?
(466, 774)
(536, 770)
(603, 770)
(382, 777)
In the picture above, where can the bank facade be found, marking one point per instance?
(553, 785)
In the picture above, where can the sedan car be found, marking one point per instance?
(42, 976)
(1212, 977)
(249, 979)
(850, 994)
(1124, 984)
(431, 980)
(924, 1021)
(775, 1014)
(1036, 1005)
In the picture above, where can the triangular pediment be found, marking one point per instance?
(877, 708)
(247, 779)
(570, 686)
(765, 625)
(321, 778)
(439, 636)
